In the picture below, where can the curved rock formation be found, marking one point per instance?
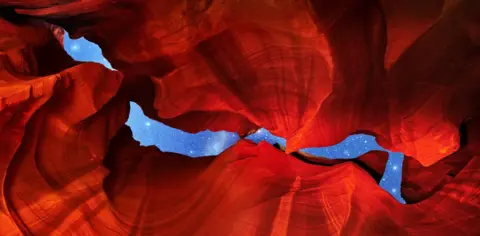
(310, 71)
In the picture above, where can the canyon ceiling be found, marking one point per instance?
(311, 71)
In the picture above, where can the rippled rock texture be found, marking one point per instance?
(313, 72)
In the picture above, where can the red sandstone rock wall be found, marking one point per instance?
(310, 71)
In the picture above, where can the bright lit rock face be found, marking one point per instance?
(313, 72)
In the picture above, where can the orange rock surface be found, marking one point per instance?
(310, 71)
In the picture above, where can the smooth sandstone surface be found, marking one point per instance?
(313, 72)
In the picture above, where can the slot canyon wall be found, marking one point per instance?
(312, 71)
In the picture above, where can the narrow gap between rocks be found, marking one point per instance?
(206, 143)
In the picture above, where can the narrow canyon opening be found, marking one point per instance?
(206, 143)
(240, 117)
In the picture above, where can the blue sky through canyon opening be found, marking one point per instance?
(205, 143)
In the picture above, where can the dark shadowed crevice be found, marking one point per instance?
(9, 14)
(463, 133)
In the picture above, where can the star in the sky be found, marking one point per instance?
(75, 47)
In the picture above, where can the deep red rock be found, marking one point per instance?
(310, 71)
